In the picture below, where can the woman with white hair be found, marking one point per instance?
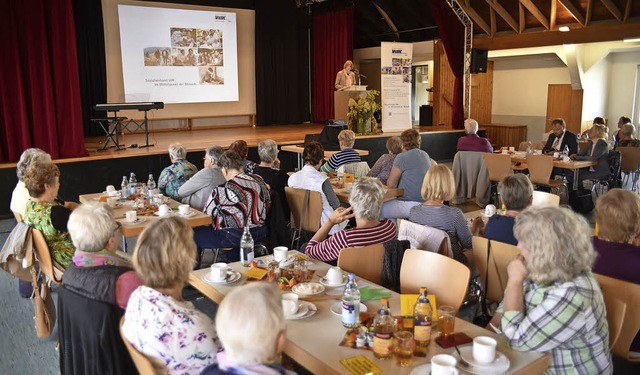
(252, 330)
(196, 191)
(269, 170)
(516, 194)
(626, 137)
(471, 141)
(174, 176)
(158, 322)
(366, 203)
(20, 194)
(552, 303)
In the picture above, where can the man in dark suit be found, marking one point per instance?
(561, 137)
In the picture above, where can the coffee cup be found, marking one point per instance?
(112, 201)
(489, 210)
(218, 272)
(158, 199)
(512, 149)
(537, 152)
(289, 304)
(280, 253)
(110, 189)
(334, 276)
(484, 349)
(556, 154)
(132, 216)
(164, 210)
(183, 209)
(566, 159)
(443, 364)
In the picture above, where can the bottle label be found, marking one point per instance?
(382, 343)
(250, 255)
(348, 314)
(422, 330)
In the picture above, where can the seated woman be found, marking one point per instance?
(269, 170)
(627, 138)
(552, 303)
(20, 194)
(241, 148)
(172, 177)
(311, 179)
(366, 202)
(196, 191)
(95, 291)
(346, 155)
(408, 171)
(158, 322)
(516, 193)
(439, 186)
(252, 329)
(382, 167)
(597, 150)
(45, 213)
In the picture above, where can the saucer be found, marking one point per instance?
(311, 310)
(232, 277)
(307, 289)
(303, 309)
(326, 282)
(191, 213)
(138, 221)
(336, 308)
(157, 213)
(422, 370)
(498, 366)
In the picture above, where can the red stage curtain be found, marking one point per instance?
(451, 32)
(40, 92)
(332, 46)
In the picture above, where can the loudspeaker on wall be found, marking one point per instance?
(478, 60)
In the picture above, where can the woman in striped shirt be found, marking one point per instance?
(366, 202)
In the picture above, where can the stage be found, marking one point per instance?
(101, 168)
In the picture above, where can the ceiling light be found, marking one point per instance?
(564, 29)
(631, 40)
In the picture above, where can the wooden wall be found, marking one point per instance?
(481, 90)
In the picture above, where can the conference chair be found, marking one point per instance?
(626, 317)
(424, 237)
(630, 165)
(498, 166)
(613, 179)
(43, 255)
(540, 168)
(144, 365)
(472, 178)
(351, 259)
(492, 264)
(541, 198)
(359, 169)
(306, 211)
(444, 277)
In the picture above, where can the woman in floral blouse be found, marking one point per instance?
(158, 322)
(45, 213)
(174, 176)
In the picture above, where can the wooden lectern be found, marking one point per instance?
(341, 100)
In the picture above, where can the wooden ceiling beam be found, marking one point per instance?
(531, 7)
(575, 13)
(475, 17)
(604, 32)
(627, 11)
(492, 18)
(613, 9)
(587, 17)
(552, 16)
(495, 5)
(522, 18)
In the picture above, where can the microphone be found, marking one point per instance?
(362, 75)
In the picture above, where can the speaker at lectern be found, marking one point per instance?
(341, 100)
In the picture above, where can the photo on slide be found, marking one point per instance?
(183, 37)
(211, 75)
(157, 56)
(210, 57)
(211, 38)
(184, 57)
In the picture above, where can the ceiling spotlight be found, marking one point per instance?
(564, 29)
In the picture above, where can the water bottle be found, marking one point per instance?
(384, 327)
(246, 247)
(151, 184)
(133, 183)
(565, 151)
(422, 314)
(126, 193)
(351, 303)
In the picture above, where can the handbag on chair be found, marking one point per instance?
(45, 310)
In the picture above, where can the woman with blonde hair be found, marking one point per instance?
(158, 322)
(346, 155)
(346, 77)
(438, 187)
(552, 303)
(382, 168)
(596, 150)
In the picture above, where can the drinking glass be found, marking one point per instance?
(273, 271)
(446, 320)
(403, 348)
(300, 270)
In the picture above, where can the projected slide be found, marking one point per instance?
(178, 56)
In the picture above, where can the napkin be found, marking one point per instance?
(256, 273)
(371, 293)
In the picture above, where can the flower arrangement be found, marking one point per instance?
(360, 116)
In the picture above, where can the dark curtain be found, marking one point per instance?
(332, 46)
(91, 60)
(40, 93)
(451, 32)
(282, 73)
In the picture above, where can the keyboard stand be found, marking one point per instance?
(111, 127)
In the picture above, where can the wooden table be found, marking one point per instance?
(573, 165)
(327, 154)
(389, 194)
(313, 342)
(133, 229)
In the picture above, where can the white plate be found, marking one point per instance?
(232, 277)
(422, 370)
(310, 308)
(336, 308)
(140, 219)
(157, 213)
(498, 366)
(326, 282)
(298, 289)
(191, 213)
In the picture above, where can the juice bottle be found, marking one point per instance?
(422, 314)
(384, 328)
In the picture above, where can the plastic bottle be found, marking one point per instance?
(246, 247)
(151, 184)
(422, 314)
(125, 188)
(133, 183)
(351, 303)
(384, 327)
(565, 151)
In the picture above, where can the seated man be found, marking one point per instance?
(197, 190)
(346, 155)
(366, 203)
(516, 193)
(174, 176)
(472, 142)
(560, 138)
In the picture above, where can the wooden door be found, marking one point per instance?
(564, 102)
